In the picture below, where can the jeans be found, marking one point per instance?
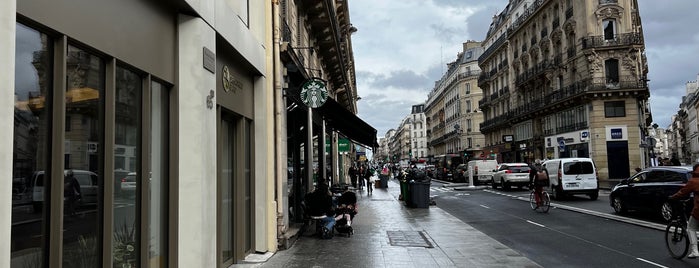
(328, 223)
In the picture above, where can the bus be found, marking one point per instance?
(445, 166)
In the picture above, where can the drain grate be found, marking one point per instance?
(409, 239)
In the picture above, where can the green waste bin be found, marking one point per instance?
(405, 192)
(420, 194)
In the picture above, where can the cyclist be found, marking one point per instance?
(692, 186)
(536, 180)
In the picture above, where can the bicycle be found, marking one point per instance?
(676, 237)
(545, 201)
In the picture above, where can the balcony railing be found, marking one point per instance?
(492, 48)
(575, 90)
(604, 2)
(535, 71)
(618, 40)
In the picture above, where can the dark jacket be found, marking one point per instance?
(319, 203)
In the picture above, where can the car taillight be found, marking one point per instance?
(123, 180)
(508, 171)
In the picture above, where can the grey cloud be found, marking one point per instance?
(405, 79)
(382, 113)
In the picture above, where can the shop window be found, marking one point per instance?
(157, 181)
(31, 136)
(126, 152)
(84, 96)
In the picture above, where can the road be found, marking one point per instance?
(563, 237)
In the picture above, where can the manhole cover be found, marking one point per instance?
(409, 239)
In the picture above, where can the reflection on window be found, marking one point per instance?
(85, 88)
(30, 151)
(126, 152)
(157, 182)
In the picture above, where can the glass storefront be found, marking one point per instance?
(30, 176)
(79, 183)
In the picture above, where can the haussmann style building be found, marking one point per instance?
(564, 78)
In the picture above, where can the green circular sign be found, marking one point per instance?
(314, 93)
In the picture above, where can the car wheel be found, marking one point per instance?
(594, 196)
(666, 211)
(493, 184)
(618, 205)
(505, 185)
(558, 193)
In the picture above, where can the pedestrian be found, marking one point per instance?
(353, 175)
(692, 186)
(71, 192)
(366, 175)
(674, 161)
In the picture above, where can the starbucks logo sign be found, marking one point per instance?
(314, 93)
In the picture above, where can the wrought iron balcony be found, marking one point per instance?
(492, 48)
(618, 40)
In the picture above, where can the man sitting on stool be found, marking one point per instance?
(320, 204)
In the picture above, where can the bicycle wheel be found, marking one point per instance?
(676, 239)
(545, 202)
(532, 201)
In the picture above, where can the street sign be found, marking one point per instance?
(561, 144)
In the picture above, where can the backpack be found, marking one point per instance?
(541, 179)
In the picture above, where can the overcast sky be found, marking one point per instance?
(401, 48)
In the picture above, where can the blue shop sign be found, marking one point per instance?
(616, 133)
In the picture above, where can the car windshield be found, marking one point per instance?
(578, 168)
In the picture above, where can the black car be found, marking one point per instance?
(648, 190)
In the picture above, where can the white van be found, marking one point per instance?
(88, 181)
(482, 170)
(569, 176)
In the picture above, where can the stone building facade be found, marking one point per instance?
(565, 78)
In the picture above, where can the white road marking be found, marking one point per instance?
(485, 206)
(537, 224)
(650, 262)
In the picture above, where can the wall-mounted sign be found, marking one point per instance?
(209, 60)
(616, 133)
(508, 138)
(230, 83)
(584, 135)
(314, 93)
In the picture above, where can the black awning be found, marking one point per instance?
(347, 123)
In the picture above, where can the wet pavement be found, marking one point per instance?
(389, 234)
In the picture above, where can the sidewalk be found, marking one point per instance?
(389, 234)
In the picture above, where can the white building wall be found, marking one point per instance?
(8, 11)
(196, 207)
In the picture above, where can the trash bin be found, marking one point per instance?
(405, 192)
(384, 181)
(420, 194)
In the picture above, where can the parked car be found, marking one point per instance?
(482, 170)
(88, 181)
(649, 189)
(569, 176)
(127, 184)
(511, 174)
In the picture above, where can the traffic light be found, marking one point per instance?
(410, 153)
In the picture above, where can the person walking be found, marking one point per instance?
(366, 175)
(71, 192)
(692, 186)
(353, 175)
